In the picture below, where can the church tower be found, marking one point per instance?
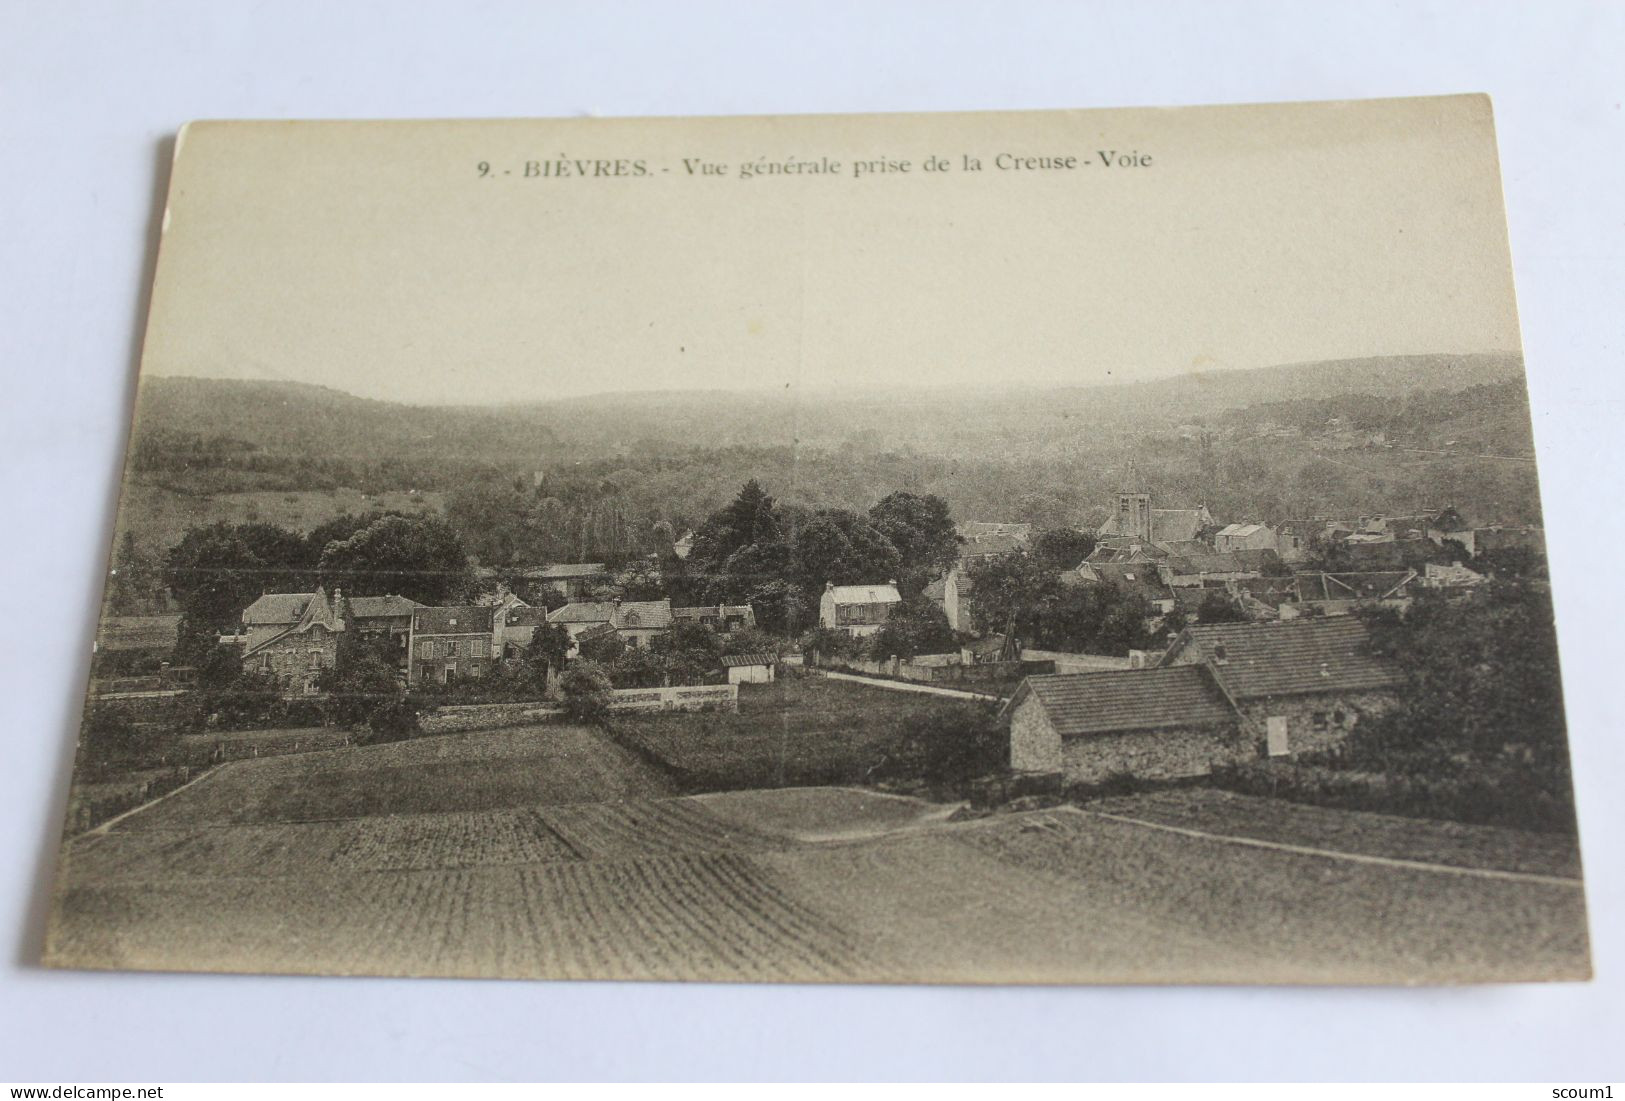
(1133, 509)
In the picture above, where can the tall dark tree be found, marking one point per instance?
(1013, 588)
(1062, 548)
(917, 626)
(921, 529)
(421, 558)
(845, 548)
(136, 586)
(217, 570)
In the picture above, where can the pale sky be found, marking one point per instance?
(373, 258)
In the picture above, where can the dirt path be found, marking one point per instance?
(903, 686)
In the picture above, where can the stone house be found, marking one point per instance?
(952, 593)
(637, 622)
(1140, 579)
(985, 548)
(452, 643)
(858, 610)
(1201, 569)
(385, 617)
(273, 614)
(1236, 537)
(571, 580)
(1153, 723)
(295, 654)
(722, 618)
(1297, 685)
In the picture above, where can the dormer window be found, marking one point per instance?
(1220, 655)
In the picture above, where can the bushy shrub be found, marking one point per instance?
(394, 721)
(586, 690)
(952, 747)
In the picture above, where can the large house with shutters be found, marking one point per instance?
(451, 644)
(857, 610)
(637, 622)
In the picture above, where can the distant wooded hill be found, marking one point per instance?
(1049, 456)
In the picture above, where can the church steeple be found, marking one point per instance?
(1133, 513)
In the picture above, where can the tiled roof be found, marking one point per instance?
(1238, 561)
(866, 594)
(524, 615)
(1289, 658)
(378, 607)
(719, 610)
(1080, 704)
(641, 614)
(977, 529)
(582, 611)
(138, 632)
(455, 620)
(731, 660)
(990, 545)
(631, 615)
(1141, 577)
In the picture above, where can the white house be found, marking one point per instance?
(857, 609)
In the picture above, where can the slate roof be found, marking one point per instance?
(976, 529)
(629, 615)
(729, 661)
(1121, 700)
(866, 594)
(1238, 561)
(138, 632)
(1137, 577)
(275, 608)
(641, 614)
(379, 607)
(1289, 658)
(467, 619)
(990, 545)
(523, 615)
(722, 611)
(582, 611)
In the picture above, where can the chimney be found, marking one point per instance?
(829, 586)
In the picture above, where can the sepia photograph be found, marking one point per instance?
(1051, 547)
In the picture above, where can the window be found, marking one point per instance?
(1318, 720)
(1340, 717)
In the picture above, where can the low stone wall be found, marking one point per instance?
(1076, 663)
(703, 697)
(486, 716)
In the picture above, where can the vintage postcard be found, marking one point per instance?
(1051, 547)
